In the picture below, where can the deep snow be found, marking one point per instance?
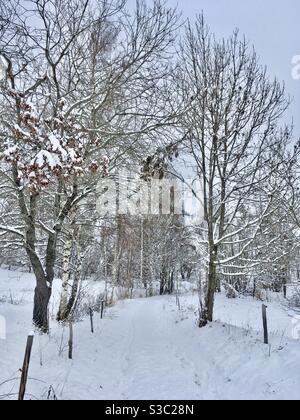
(148, 349)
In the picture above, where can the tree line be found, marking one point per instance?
(92, 87)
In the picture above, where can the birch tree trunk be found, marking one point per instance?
(72, 303)
(63, 306)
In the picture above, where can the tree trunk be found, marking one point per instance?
(73, 300)
(285, 289)
(42, 297)
(171, 283)
(163, 281)
(208, 310)
(210, 299)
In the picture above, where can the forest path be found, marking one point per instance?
(159, 353)
(148, 349)
(153, 365)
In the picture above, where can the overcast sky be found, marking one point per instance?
(273, 27)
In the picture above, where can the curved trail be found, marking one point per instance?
(147, 349)
(153, 366)
(150, 350)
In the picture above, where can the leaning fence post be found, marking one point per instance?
(26, 366)
(265, 324)
(102, 308)
(92, 321)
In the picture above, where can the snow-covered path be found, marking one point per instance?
(152, 364)
(148, 349)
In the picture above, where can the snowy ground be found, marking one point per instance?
(148, 349)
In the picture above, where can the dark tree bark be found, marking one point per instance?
(42, 297)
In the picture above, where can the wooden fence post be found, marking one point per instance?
(25, 367)
(265, 324)
(178, 300)
(102, 308)
(92, 320)
(70, 343)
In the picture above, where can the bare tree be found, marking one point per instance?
(232, 114)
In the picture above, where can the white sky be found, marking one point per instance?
(272, 26)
